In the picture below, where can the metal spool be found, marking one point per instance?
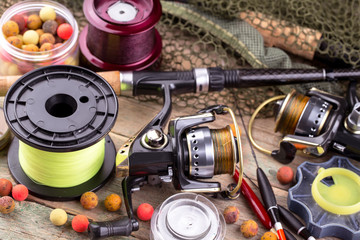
(302, 115)
(211, 151)
(121, 34)
(61, 109)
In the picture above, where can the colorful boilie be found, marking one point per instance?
(25, 30)
(112, 202)
(89, 200)
(285, 175)
(269, 236)
(58, 217)
(249, 228)
(5, 187)
(231, 214)
(145, 211)
(7, 205)
(20, 192)
(80, 223)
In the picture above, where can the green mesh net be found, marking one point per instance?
(330, 27)
(250, 33)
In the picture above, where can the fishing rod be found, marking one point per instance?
(207, 79)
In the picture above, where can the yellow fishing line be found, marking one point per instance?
(61, 169)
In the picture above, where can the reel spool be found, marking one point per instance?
(61, 116)
(121, 34)
(302, 115)
(211, 152)
(187, 216)
(327, 197)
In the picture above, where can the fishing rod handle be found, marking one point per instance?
(121, 227)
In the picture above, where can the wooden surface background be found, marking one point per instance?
(30, 219)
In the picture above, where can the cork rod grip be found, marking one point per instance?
(112, 77)
(297, 40)
(5, 83)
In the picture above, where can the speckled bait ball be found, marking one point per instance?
(7, 205)
(47, 38)
(50, 26)
(269, 236)
(57, 45)
(10, 28)
(31, 37)
(60, 20)
(249, 228)
(231, 214)
(89, 200)
(80, 223)
(39, 32)
(30, 48)
(34, 22)
(58, 217)
(5, 187)
(19, 19)
(65, 31)
(58, 39)
(46, 47)
(15, 41)
(112, 202)
(47, 13)
(285, 175)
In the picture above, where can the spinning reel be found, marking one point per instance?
(315, 123)
(183, 156)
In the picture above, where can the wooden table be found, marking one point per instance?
(30, 219)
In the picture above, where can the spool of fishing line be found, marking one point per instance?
(120, 34)
(187, 216)
(61, 116)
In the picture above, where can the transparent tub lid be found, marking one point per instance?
(187, 216)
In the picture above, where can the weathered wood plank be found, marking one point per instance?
(30, 219)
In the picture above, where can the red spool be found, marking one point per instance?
(121, 35)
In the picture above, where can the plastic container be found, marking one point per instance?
(326, 196)
(187, 216)
(15, 61)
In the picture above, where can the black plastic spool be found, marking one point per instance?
(61, 109)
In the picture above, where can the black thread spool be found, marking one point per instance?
(61, 109)
(120, 34)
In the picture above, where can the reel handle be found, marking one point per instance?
(121, 227)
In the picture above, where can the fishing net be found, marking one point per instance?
(251, 33)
